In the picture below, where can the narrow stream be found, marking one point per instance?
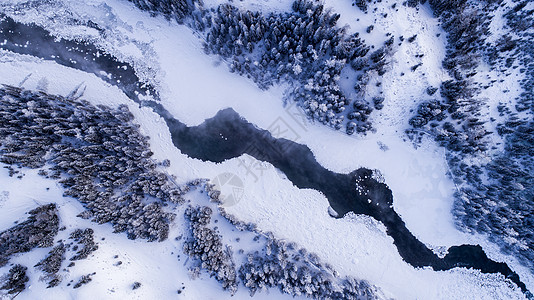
(295, 160)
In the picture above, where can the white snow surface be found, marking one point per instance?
(193, 87)
(161, 268)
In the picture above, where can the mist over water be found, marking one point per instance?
(36, 41)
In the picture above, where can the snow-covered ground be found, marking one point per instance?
(194, 87)
(160, 267)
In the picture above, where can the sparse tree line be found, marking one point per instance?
(51, 264)
(175, 9)
(455, 121)
(304, 48)
(363, 5)
(298, 273)
(14, 282)
(81, 244)
(458, 126)
(205, 245)
(278, 264)
(39, 231)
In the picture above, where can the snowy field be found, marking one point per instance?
(193, 87)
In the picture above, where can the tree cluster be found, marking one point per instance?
(467, 29)
(501, 206)
(361, 4)
(15, 280)
(494, 196)
(512, 171)
(206, 245)
(277, 265)
(51, 264)
(298, 273)
(459, 127)
(521, 19)
(359, 117)
(82, 244)
(96, 153)
(38, 231)
(177, 9)
(303, 47)
(85, 279)
(83, 238)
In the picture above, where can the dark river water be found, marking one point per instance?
(295, 160)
